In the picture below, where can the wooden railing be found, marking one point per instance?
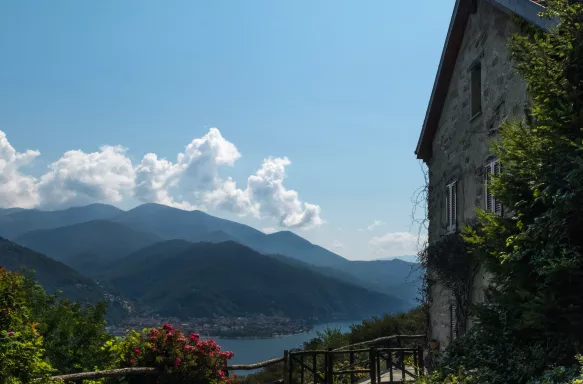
(364, 358)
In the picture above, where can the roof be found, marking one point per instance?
(526, 9)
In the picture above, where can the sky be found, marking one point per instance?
(295, 115)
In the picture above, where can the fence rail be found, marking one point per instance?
(294, 364)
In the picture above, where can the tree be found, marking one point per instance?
(533, 315)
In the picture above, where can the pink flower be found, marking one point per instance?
(194, 336)
(137, 351)
(168, 327)
(177, 362)
(11, 333)
(154, 348)
(131, 361)
(221, 373)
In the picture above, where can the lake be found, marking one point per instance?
(249, 351)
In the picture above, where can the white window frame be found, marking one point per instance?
(451, 206)
(491, 203)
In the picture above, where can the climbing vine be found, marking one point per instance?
(449, 265)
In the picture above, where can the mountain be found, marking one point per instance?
(87, 246)
(165, 223)
(19, 221)
(196, 226)
(289, 244)
(174, 223)
(205, 279)
(407, 258)
(55, 276)
(8, 211)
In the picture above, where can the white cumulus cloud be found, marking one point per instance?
(397, 244)
(16, 189)
(268, 230)
(192, 181)
(79, 178)
(266, 196)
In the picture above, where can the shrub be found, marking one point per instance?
(181, 358)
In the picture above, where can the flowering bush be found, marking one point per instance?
(180, 357)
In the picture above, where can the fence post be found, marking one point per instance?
(372, 365)
(286, 370)
(403, 364)
(352, 376)
(302, 370)
(315, 367)
(421, 362)
(390, 363)
(330, 367)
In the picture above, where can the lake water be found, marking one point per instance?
(250, 351)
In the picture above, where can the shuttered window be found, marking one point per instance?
(453, 322)
(451, 206)
(492, 204)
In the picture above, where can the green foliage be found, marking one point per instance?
(413, 322)
(74, 335)
(21, 345)
(533, 316)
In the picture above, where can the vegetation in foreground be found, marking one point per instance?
(530, 329)
(43, 335)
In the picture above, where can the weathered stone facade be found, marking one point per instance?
(460, 148)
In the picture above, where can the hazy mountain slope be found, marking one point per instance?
(207, 279)
(16, 223)
(8, 211)
(173, 223)
(289, 244)
(87, 246)
(55, 276)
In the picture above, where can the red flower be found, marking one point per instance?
(194, 336)
(131, 361)
(177, 362)
(137, 351)
(168, 327)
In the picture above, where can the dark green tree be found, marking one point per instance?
(533, 316)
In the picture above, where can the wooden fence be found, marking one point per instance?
(351, 364)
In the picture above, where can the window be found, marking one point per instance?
(476, 89)
(453, 322)
(492, 205)
(451, 206)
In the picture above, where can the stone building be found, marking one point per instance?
(476, 87)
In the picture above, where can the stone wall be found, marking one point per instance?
(461, 145)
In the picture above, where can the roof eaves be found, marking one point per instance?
(527, 9)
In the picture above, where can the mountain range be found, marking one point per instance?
(169, 256)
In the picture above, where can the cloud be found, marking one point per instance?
(79, 178)
(375, 224)
(266, 196)
(337, 244)
(397, 244)
(192, 181)
(269, 230)
(16, 189)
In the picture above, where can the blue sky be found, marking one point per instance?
(338, 88)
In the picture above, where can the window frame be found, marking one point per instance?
(491, 204)
(476, 94)
(451, 208)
